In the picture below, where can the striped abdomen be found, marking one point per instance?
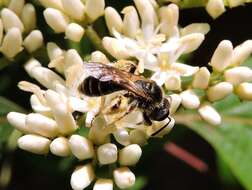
(93, 87)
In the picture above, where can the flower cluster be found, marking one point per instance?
(69, 17)
(149, 37)
(18, 19)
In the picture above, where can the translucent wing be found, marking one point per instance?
(126, 80)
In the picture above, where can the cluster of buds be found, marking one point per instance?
(18, 19)
(53, 126)
(215, 8)
(70, 16)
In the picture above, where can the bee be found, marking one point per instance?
(145, 94)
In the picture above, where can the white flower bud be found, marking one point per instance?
(174, 103)
(122, 136)
(124, 178)
(235, 3)
(221, 58)
(74, 32)
(202, 28)
(74, 8)
(115, 48)
(189, 99)
(138, 137)
(53, 50)
(113, 20)
(201, 78)
(60, 147)
(56, 20)
(169, 19)
(241, 53)
(33, 41)
(46, 77)
(103, 184)
(1, 31)
(210, 115)
(215, 8)
(98, 56)
(34, 143)
(81, 147)
(244, 91)
(94, 9)
(97, 134)
(173, 82)
(131, 23)
(238, 75)
(12, 43)
(39, 107)
(17, 120)
(191, 42)
(184, 69)
(72, 57)
(28, 17)
(16, 6)
(56, 4)
(11, 20)
(147, 14)
(41, 125)
(31, 63)
(219, 91)
(61, 112)
(107, 153)
(130, 155)
(82, 177)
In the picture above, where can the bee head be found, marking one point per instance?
(160, 111)
(153, 90)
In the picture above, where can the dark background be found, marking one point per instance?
(161, 170)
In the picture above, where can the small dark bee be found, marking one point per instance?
(146, 94)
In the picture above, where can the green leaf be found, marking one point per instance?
(232, 140)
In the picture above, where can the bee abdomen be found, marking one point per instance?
(93, 87)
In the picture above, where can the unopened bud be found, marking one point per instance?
(17, 120)
(82, 177)
(122, 136)
(34, 143)
(235, 3)
(189, 99)
(39, 107)
(56, 20)
(16, 6)
(131, 23)
(238, 75)
(98, 56)
(130, 155)
(11, 20)
(81, 147)
(124, 178)
(173, 82)
(210, 115)
(169, 19)
(107, 153)
(60, 147)
(191, 42)
(113, 20)
(215, 8)
(115, 48)
(175, 101)
(244, 91)
(103, 184)
(56, 4)
(74, 8)
(31, 63)
(221, 58)
(12, 43)
(219, 91)
(33, 41)
(202, 28)
(74, 32)
(94, 9)
(28, 17)
(41, 125)
(241, 53)
(53, 50)
(201, 78)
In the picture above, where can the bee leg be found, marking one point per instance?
(162, 128)
(147, 120)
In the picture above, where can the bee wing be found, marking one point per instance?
(108, 73)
